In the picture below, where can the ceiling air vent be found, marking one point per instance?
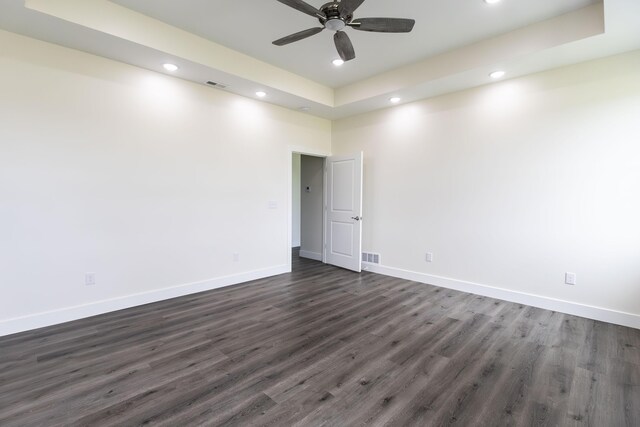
(216, 84)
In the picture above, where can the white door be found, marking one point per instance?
(344, 212)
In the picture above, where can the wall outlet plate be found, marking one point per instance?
(89, 279)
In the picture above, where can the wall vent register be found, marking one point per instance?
(370, 258)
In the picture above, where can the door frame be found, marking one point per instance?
(305, 151)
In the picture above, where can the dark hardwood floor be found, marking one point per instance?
(324, 346)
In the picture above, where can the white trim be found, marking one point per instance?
(573, 308)
(311, 255)
(40, 320)
(324, 210)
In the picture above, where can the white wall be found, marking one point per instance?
(152, 183)
(312, 171)
(147, 180)
(295, 202)
(511, 185)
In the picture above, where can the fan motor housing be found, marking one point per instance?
(332, 13)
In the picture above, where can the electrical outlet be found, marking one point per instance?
(89, 279)
(429, 257)
(570, 279)
(236, 257)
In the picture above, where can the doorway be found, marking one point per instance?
(330, 207)
(308, 190)
(302, 160)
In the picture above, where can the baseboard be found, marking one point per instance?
(311, 255)
(40, 320)
(587, 311)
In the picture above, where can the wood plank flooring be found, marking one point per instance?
(324, 347)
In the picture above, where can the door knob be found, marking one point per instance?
(357, 218)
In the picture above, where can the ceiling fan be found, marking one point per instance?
(336, 16)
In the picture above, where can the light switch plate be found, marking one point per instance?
(570, 279)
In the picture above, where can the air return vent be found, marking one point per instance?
(216, 84)
(370, 258)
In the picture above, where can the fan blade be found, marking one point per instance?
(347, 7)
(344, 46)
(298, 36)
(383, 25)
(303, 7)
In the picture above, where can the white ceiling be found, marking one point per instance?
(454, 46)
(249, 26)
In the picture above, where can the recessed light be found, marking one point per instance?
(170, 67)
(304, 109)
(338, 62)
(394, 100)
(261, 94)
(492, 1)
(497, 74)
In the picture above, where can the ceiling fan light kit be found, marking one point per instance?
(336, 16)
